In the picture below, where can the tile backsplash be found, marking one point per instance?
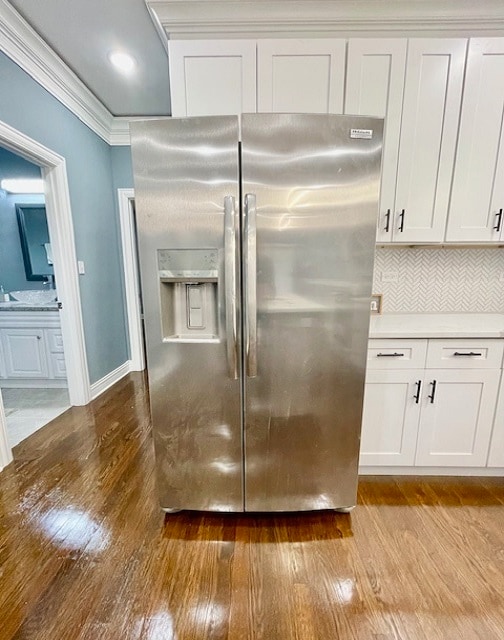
(440, 280)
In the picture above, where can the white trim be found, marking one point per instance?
(431, 471)
(130, 266)
(27, 49)
(59, 220)
(5, 450)
(120, 131)
(234, 18)
(97, 388)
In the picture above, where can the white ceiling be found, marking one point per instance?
(83, 32)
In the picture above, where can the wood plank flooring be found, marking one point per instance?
(86, 553)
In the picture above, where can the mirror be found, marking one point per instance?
(35, 245)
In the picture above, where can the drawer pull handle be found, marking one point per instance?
(418, 389)
(498, 220)
(401, 223)
(433, 393)
(387, 223)
(470, 353)
(389, 355)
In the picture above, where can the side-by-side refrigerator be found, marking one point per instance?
(256, 262)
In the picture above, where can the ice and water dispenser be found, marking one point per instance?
(188, 290)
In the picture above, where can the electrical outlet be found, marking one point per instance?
(501, 277)
(81, 267)
(389, 276)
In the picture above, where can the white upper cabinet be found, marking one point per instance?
(374, 87)
(477, 200)
(417, 86)
(212, 77)
(300, 76)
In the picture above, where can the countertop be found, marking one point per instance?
(455, 325)
(23, 306)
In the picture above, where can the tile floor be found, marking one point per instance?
(27, 410)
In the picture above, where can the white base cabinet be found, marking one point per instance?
(433, 417)
(390, 418)
(31, 349)
(457, 414)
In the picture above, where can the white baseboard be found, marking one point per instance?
(97, 388)
(431, 471)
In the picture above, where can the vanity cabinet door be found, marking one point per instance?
(24, 353)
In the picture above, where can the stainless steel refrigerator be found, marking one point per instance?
(256, 264)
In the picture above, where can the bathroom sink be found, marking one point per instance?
(35, 296)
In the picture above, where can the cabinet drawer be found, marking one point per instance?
(396, 354)
(54, 340)
(465, 354)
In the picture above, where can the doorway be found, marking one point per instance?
(59, 222)
(134, 310)
(32, 363)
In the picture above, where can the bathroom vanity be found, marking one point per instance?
(31, 346)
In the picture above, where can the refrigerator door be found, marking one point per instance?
(310, 192)
(187, 201)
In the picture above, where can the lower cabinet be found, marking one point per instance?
(439, 417)
(390, 417)
(31, 349)
(24, 353)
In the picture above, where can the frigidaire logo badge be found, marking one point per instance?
(363, 134)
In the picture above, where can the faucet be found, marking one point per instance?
(49, 282)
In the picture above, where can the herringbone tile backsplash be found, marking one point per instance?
(435, 280)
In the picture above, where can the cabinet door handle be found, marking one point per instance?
(469, 353)
(39, 338)
(389, 355)
(401, 221)
(418, 389)
(498, 220)
(433, 393)
(387, 223)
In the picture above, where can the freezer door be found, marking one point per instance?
(310, 202)
(187, 204)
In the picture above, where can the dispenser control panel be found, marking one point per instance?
(188, 264)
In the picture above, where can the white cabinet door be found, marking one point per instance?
(212, 77)
(24, 352)
(390, 418)
(374, 87)
(478, 185)
(300, 76)
(496, 454)
(457, 415)
(432, 95)
(419, 93)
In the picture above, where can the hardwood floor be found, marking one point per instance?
(85, 551)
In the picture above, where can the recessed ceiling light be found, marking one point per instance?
(122, 61)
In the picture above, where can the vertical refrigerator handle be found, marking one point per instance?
(250, 254)
(230, 232)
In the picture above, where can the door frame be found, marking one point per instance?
(126, 199)
(60, 224)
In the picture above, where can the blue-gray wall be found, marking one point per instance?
(12, 271)
(26, 106)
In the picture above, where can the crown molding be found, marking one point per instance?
(27, 49)
(119, 134)
(232, 18)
